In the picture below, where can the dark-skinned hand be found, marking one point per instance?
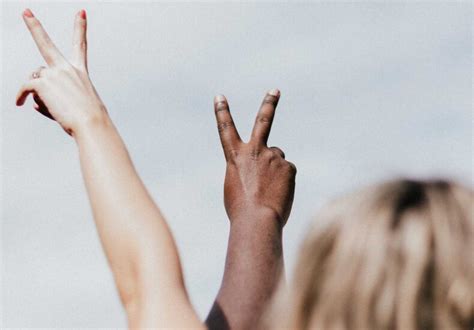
(257, 176)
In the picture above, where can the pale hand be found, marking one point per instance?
(63, 90)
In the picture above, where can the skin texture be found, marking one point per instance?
(134, 234)
(258, 195)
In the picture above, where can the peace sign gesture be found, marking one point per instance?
(257, 177)
(62, 91)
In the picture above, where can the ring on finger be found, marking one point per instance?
(37, 74)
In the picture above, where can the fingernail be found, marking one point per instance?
(219, 98)
(28, 13)
(82, 13)
(274, 92)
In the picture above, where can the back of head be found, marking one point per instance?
(396, 255)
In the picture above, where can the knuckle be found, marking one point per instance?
(270, 154)
(292, 167)
(44, 72)
(272, 157)
(222, 106)
(255, 153)
(278, 151)
(232, 154)
(264, 119)
(270, 99)
(225, 125)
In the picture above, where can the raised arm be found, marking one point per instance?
(135, 237)
(258, 195)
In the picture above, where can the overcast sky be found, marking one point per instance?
(369, 91)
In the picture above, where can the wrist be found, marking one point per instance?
(98, 121)
(255, 217)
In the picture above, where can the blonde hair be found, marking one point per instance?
(398, 255)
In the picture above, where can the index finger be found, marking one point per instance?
(225, 124)
(46, 47)
(263, 122)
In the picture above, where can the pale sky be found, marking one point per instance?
(369, 91)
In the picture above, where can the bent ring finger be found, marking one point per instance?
(278, 151)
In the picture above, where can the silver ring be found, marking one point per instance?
(37, 74)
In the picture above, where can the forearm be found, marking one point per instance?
(134, 234)
(253, 268)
